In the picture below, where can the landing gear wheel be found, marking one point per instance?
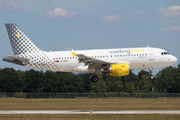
(94, 79)
(152, 77)
(150, 69)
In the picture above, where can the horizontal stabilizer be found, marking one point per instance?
(12, 60)
(19, 58)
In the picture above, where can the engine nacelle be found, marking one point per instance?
(118, 69)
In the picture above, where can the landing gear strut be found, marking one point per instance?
(94, 78)
(152, 77)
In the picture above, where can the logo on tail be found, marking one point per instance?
(25, 51)
(21, 44)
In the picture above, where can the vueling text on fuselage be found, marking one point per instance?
(126, 51)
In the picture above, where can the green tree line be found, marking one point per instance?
(165, 81)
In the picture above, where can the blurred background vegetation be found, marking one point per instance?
(165, 81)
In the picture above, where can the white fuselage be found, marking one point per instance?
(138, 58)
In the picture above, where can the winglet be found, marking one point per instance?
(74, 54)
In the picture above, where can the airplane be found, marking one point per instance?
(115, 62)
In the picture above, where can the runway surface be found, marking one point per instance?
(89, 112)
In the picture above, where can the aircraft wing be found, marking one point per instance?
(88, 60)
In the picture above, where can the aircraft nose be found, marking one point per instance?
(173, 59)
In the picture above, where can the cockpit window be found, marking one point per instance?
(164, 53)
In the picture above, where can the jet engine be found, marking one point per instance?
(117, 69)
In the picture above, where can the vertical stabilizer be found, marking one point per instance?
(21, 44)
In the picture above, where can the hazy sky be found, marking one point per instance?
(92, 24)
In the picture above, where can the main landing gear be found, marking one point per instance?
(94, 78)
(150, 69)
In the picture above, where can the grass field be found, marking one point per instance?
(90, 104)
(88, 117)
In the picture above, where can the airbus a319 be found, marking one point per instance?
(115, 62)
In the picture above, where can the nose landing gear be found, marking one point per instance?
(150, 69)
